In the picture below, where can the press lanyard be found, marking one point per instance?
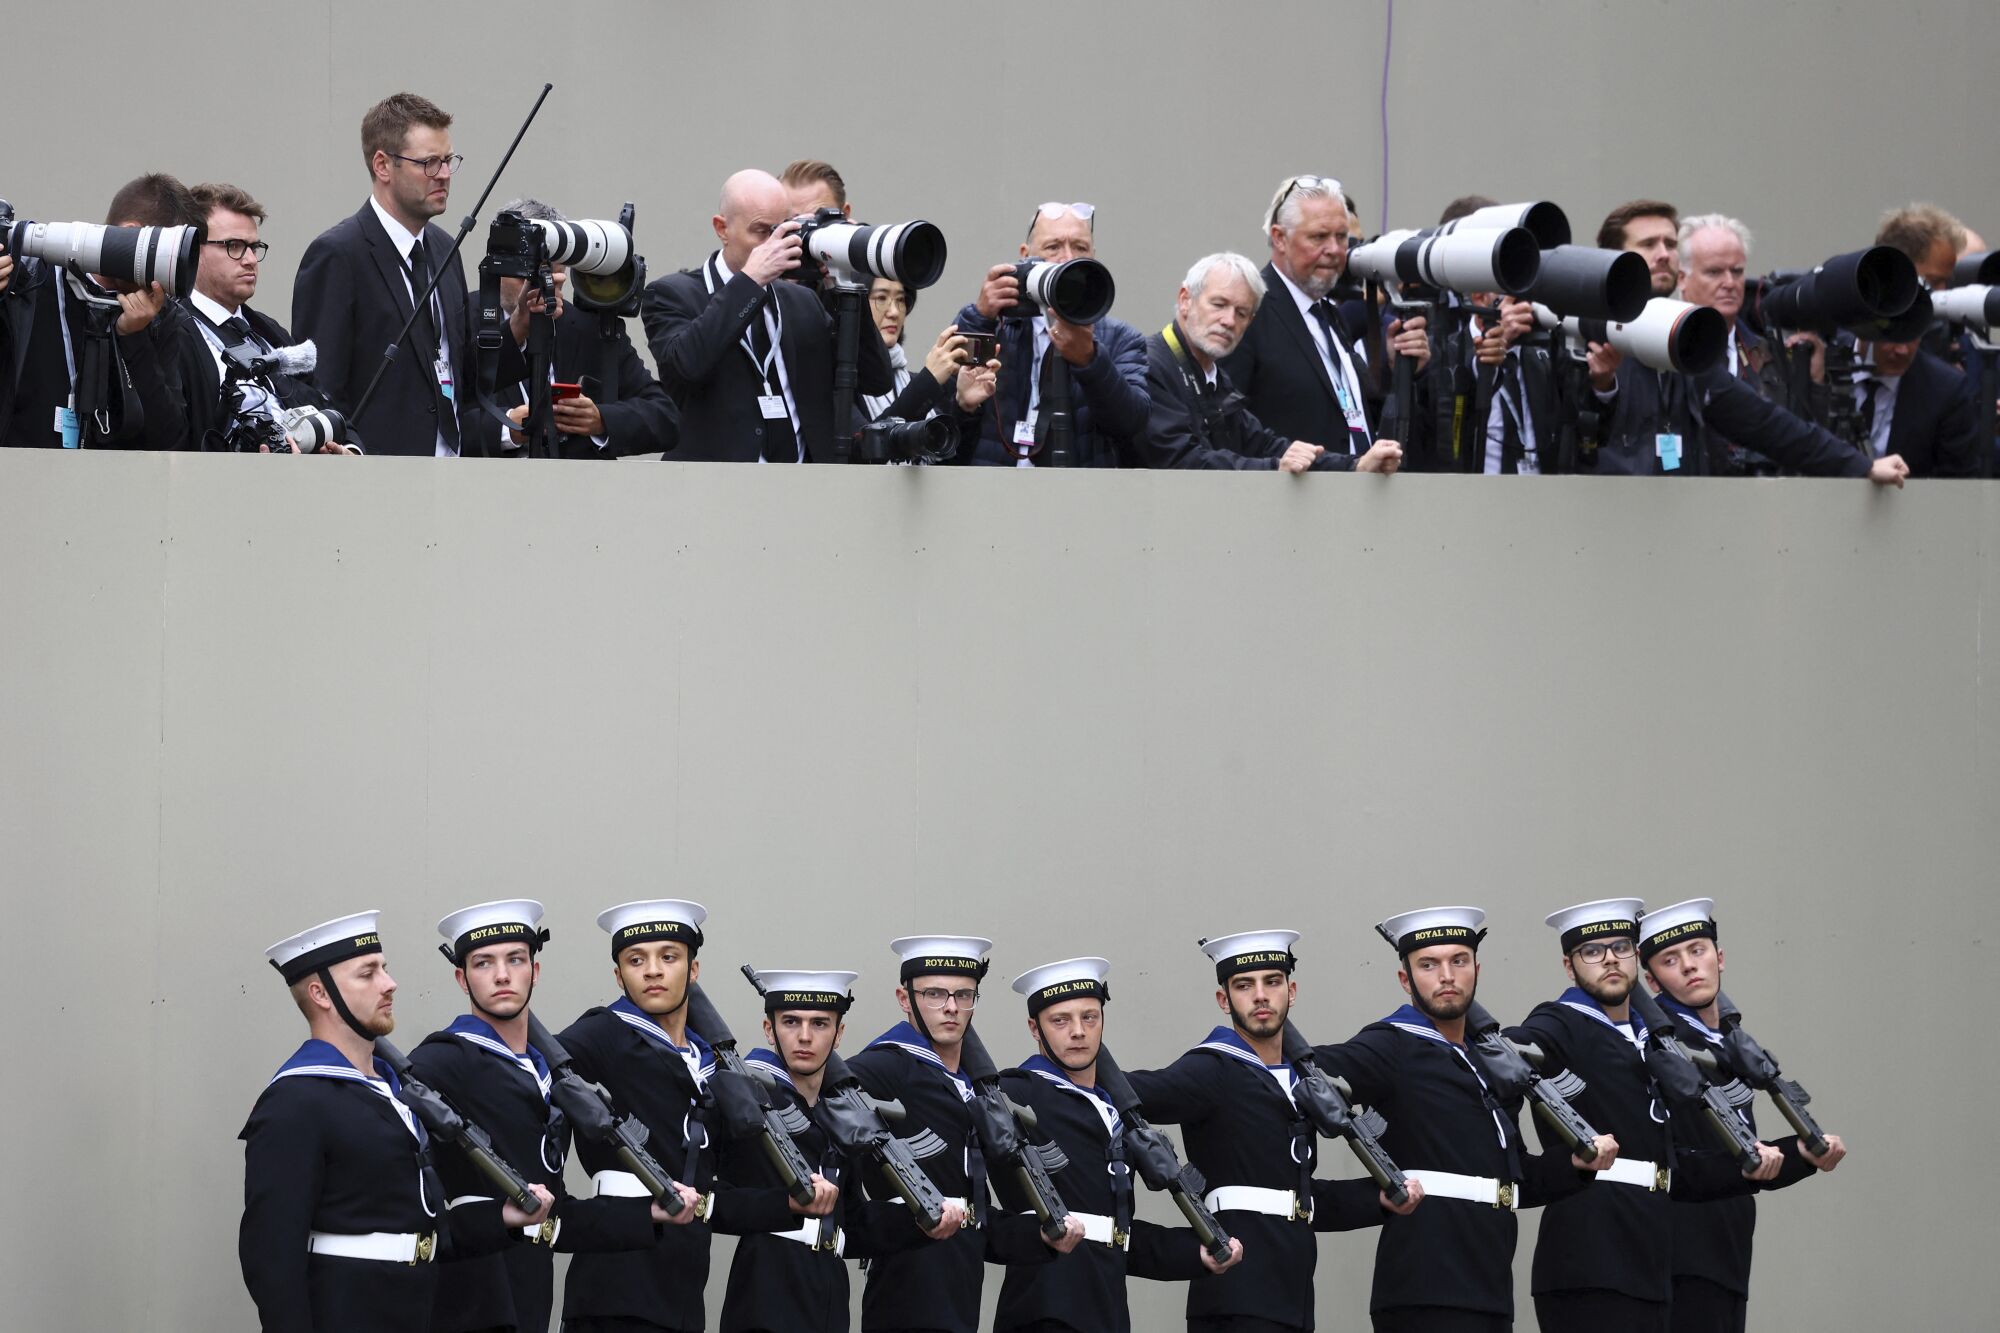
(775, 326)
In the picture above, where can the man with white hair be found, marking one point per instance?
(1714, 254)
(1299, 370)
(746, 354)
(1198, 420)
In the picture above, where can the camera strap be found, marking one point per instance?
(92, 377)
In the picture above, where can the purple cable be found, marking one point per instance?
(1388, 42)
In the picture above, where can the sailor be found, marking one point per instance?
(1604, 1256)
(1681, 952)
(1232, 1097)
(1084, 1291)
(343, 1216)
(916, 1062)
(1448, 1267)
(485, 1066)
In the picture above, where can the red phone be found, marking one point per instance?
(562, 393)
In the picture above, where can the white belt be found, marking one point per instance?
(1256, 1199)
(1644, 1175)
(972, 1219)
(387, 1246)
(810, 1237)
(625, 1185)
(1103, 1230)
(1473, 1189)
(544, 1233)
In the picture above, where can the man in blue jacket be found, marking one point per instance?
(1102, 366)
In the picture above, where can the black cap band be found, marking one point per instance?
(1078, 988)
(1432, 936)
(833, 1001)
(944, 965)
(1599, 930)
(500, 932)
(1675, 935)
(644, 932)
(1260, 960)
(311, 961)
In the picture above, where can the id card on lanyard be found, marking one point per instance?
(67, 423)
(773, 404)
(1359, 440)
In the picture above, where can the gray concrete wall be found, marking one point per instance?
(1176, 118)
(1078, 713)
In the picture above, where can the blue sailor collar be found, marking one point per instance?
(1580, 1000)
(480, 1033)
(1040, 1065)
(699, 1055)
(1680, 1013)
(772, 1061)
(321, 1059)
(1417, 1023)
(1228, 1041)
(905, 1037)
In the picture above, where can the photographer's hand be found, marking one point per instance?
(1603, 361)
(949, 353)
(1074, 343)
(1818, 345)
(529, 305)
(1491, 349)
(138, 309)
(777, 256)
(1000, 291)
(517, 415)
(6, 272)
(976, 384)
(1299, 456)
(1517, 318)
(579, 416)
(1407, 338)
(1384, 456)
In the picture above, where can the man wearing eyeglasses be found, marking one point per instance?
(1604, 1257)
(232, 257)
(359, 279)
(935, 1289)
(1103, 365)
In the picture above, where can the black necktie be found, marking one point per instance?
(1867, 440)
(1512, 448)
(238, 329)
(1357, 440)
(420, 281)
(780, 445)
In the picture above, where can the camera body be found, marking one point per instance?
(605, 274)
(1079, 290)
(515, 247)
(893, 440)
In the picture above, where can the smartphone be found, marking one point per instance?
(562, 393)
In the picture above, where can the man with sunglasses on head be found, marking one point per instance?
(232, 258)
(358, 282)
(1102, 365)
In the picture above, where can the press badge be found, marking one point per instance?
(442, 367)
(69, 425)
(1024, 429)
(772, 405)
(1668, 447)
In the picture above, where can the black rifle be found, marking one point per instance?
(1324, 1099)
(1742, 1056)
(1513, 1070)
(444, 1122)
(853, 1122)
(1681, 1082)
(596, 1117)
(1152, 1155)
(999, 1121)
(746, 1109)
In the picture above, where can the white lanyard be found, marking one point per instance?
(773, 315)
(62, 318)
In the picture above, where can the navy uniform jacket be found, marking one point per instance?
(1108, 404)
(1085, 1289)
(1616, 1237)
(1240, 1128)
(327, 1149)
(621, 1047)
(937, 1286)
(1449, 1252)
(1712, 1238)
(784, 1286)
(509, 1099)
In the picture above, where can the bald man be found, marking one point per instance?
(747, 353)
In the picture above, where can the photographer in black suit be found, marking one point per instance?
(747, 355)
(356, 284)
(620, 408)
(232, 257)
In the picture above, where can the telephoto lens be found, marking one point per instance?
(1547, 223)
(134, 255)
(1980, 268)
(1667, 335)
(1080, 290)
(1864, 291)
(1968, 307)
(602, 268)
(911, 253)
(312, 428)
(1589, 283)
(1498, 260)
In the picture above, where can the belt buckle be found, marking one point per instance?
(1506, 1197)
(1301, 1209)
(1662, 1178)
(426, 1247)
(703, 1206)
(1119, 1237)
(545, 1234)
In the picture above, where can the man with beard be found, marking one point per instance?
(641, 1049)
(796, 1281)
(1298, 368)
(1604, 1256)
(916, 1062)
(1084, 1292)
(342, 1213)
(1680, 950)
(485, 1066)
(1232, 1097)
(1449, 1267)
(1198, 420)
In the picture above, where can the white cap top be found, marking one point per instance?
(524, 913)
(329, 942)
(653, 919)
(786, 979)
(1435, 925)
(1694, 917)
(1607, 917)
(1092, 971)
(1222, 947)
(924, 955)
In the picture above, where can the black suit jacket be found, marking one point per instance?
(201, 383)
(146, 407)
(697, 342)
(1936, 426)
(594, 350)
(351, 299)
(1281, 375)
